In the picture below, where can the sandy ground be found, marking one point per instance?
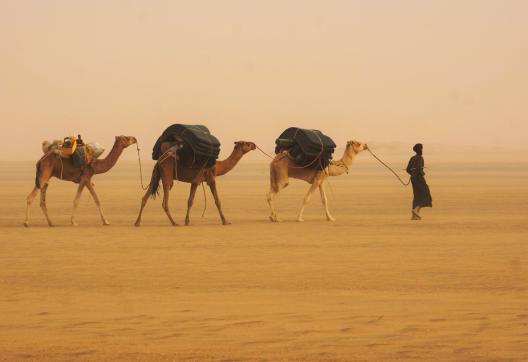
(371, 286)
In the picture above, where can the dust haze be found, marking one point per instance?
(373, 285)
(450, 73)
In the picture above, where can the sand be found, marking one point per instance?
(371, 286)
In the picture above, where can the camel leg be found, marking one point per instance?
(97, 202)
(76, 202)
(324, 199)
(278, 181)
(306, 199)
(43, 203)
(143, 203)
(29, 200)
(190, 202)
(270, 196)
(212, 186)
(166, 192)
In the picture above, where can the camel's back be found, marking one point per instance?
(285, 167)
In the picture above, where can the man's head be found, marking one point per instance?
(418, 148)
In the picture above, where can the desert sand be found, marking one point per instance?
(371, 286)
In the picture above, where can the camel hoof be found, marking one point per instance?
(26, 224)
(331, 219)
(106, 223)
(300, 220)
(137, 224)
(74, 224)
(226, 223)
(274, 218)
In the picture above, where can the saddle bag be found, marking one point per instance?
(199, 148)
(79, 157)
(308, 147)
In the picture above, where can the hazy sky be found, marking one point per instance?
(452, 72)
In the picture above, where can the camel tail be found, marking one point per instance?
(155, 181)
(37, 176)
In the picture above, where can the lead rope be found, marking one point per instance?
(263, 152)
(140, 169)
(390, 169)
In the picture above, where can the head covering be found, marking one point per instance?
(418, 148)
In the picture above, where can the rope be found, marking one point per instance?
(62, 167)
(265, 153)
(140, 169)
(390, 169)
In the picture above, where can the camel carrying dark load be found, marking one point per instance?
(308, 147)
(199, 147)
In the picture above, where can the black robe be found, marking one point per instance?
(422, 195)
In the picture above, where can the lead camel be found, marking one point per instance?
(283, 167)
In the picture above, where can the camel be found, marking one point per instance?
(52, 165)
(283, 167)
(165, 170)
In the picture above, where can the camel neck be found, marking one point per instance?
(342, 165)
(224, 166)
(102, 166)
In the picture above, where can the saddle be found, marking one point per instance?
(74, 148)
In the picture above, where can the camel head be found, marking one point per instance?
(244, 146)
(125, 141)
(356, 146)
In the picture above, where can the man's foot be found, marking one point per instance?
(415, 216)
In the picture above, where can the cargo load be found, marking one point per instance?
(307, 147)
(199, 148)
(73, 148)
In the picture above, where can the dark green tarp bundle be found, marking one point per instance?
(308, 147)
(200, 147)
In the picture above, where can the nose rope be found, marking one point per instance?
(140, 168)
(263, 152)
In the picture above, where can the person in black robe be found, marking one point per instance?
(422, 195)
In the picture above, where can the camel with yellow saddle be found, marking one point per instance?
(58, 162)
